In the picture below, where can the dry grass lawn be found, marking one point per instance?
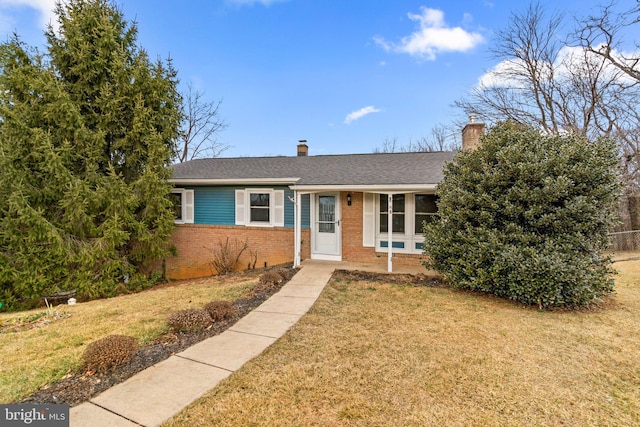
(371, 354)
(34, 357)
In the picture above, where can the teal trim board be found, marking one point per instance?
(396, 245)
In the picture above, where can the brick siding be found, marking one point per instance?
(273, 246)
(195, 243)
(352, 249)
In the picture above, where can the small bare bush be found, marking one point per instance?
(189, 320)
(109, 352)
(271, 277)
(253, 259)
(220, 310)
(268, 281)
(285, 273)
(226, 257)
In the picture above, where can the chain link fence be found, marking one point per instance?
(624, 241)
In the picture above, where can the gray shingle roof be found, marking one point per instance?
(346, 169)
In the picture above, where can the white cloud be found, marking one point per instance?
(266, 3)
(358, 114)
(513, 73)
(44, 7)
(502, 75)
(433, 36)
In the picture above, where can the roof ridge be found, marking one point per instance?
(318, 155)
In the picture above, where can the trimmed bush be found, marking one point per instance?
(285, 273)
(220, 310)
(189, 320)
(109, 352)
(271, 277)
(526, 217)
(268, 281)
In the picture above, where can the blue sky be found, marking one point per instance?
(344, 75)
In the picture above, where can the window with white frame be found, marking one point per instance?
(425, 210)
(410, 212)
(260, 207)
(182, 205)
(398, 205)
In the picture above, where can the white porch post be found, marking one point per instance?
(297, 225)
(390, 230)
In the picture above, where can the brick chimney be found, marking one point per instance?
(472, 133)
(303, 148)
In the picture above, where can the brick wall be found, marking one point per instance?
(195, 243)
(471, 135)
(273, 246)
(352, 249)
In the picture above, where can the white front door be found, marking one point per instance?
(326, 227)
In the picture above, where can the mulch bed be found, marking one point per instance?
(82, 386)
(392, 278)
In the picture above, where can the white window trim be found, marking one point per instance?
(425, 213)
(276, 210)
(187, 203)
(249, 192)
(407, 237)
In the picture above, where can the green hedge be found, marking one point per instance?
(526, 217)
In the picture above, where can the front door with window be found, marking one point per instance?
(326, 227)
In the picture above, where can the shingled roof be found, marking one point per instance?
(377, 169)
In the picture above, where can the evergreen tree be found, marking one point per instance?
(87, 132)
(526, 217)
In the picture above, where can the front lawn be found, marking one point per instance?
(36, 352)
(372, 353)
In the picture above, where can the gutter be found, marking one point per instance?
(233, 181)
(367, 188)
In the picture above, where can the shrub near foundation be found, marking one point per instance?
(268, 281)
(285, 273)
(526, 217)
(271, 277)
(109, 352)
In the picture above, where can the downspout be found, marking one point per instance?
(390, 231)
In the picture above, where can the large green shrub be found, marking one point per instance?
(526, 216)
(87, 131)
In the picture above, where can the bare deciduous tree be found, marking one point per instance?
(542, 81)
(201, 123)
(602, 34)
(558, 87)
(443, 138)
(389, 146)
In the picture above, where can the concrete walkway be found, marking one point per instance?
(156, 394)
